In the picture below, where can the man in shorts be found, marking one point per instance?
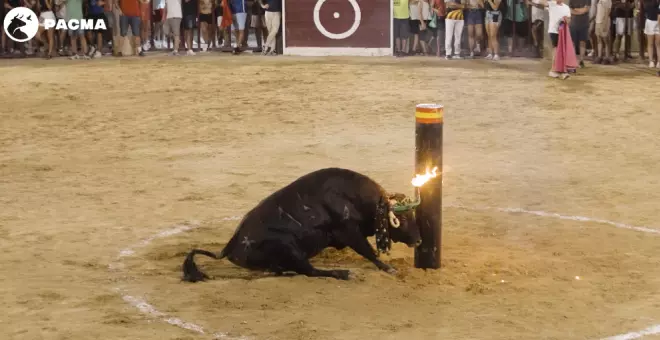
(258, 23)
(130, 17)
(206, 22)
(538, 32)
(74, 11)
(515, 20)
(602, 31)
(95, 12)
(189, 20)
(401, 27)
(145, 24)
(172, 25)
(580, 26)
(158, 18)
(623, 16)
(239, 18)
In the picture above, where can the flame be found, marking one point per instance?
(419, 180)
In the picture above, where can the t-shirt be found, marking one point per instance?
(129, 8)
(401, 10)
(580, 20)
(488, 7)
(603, 8)
(621, 12)
(537, 13)
(440, 5)
(556, 13)
(190, 7)
(651, 8)
(94, 7)
(414, 11)
(274, 6)
(173, 9)
(74, 10)
(521, 10)
(454, 14)
(238, 6)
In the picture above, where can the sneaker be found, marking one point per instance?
(496, 58)
(447, 57)
(651, 64)
(92, 50)
(457, 57)
(141, 54)
(190, 52)
(174, 53)
(553, 74)
(471, 56)
(74, 57)
(658, 65)
(85, 57)
(204, 48)
(478, 49)
(565, 76)
(591, 54)
(98, 54)
(489, 57)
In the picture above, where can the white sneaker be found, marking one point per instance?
(651, 64)
(457, 57)
(553, 74)
(190, 52)
(204, 48)
(496, 58)
(658, 65)
(591, 54)
(158, 44)
(98, 54)
(489, 57)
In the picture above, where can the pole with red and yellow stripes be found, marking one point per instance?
(428, 154)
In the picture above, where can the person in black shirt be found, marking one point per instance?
(189, 8)
(622, 11)
(652, 30)
(580, 26)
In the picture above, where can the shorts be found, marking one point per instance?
(414, 26)
(602, 29)
(125, 21)
(238, 21)
(145, 12)
(157, 16)
(109, 20)
(651, 27)
(258, 21)
(494, 17)
(76, 33)
(621, 24)
(401, 28)
(207, 18)
(47, 15)
(579, 33)
(97, 18)
(172, 26)
(554, 38)
(474, 17)
(521, 28)
(189, 21)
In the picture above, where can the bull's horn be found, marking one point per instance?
(394, 222)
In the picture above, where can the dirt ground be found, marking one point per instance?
(96, 156)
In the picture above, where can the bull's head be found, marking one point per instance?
(399, 225)
(15, 23)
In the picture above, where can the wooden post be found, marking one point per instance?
(428, 154)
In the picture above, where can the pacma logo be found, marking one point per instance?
(22, 24)
(74, 24)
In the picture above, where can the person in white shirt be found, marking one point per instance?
(538, 8)
(172, 25)
(602, 29)
(559, 13)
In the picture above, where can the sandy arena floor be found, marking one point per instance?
(97, 156)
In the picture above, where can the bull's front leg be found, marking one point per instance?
(351, 236)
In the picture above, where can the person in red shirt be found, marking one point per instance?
(129, 11)
(438, 6)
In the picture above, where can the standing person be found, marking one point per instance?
(593, 39)
(493, 20)
(9, 5)
(559, 13)
(158, 18)
(205, 22)
(74, 11)
(239, 18)
(96, 12)
(538, 26)
(273, 14)
(454, 23)
(602, 30)
(172, 25)
(416, 22)
(519, 21)
(258, 23)
(110, 22)
(475, 23)
(60, 13)
(440, 12)
(401, 26)
(189, 19)
(623, 14)
(46, 8)
(130, 16)
(580, 26)
(145, 24)
(652, 30)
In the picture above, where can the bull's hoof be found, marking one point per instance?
(341, 274)
(195, 277)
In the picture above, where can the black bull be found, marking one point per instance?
(326, 208)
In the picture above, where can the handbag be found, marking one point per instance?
(434, 20)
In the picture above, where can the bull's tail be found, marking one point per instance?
(190, 271)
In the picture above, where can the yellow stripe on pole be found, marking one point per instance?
(429, 113)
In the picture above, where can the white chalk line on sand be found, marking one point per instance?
(144, 307)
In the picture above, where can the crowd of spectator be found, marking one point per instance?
(153, 25)
(597, 28)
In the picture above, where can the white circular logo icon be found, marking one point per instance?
(339, 36)
(21, 24)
